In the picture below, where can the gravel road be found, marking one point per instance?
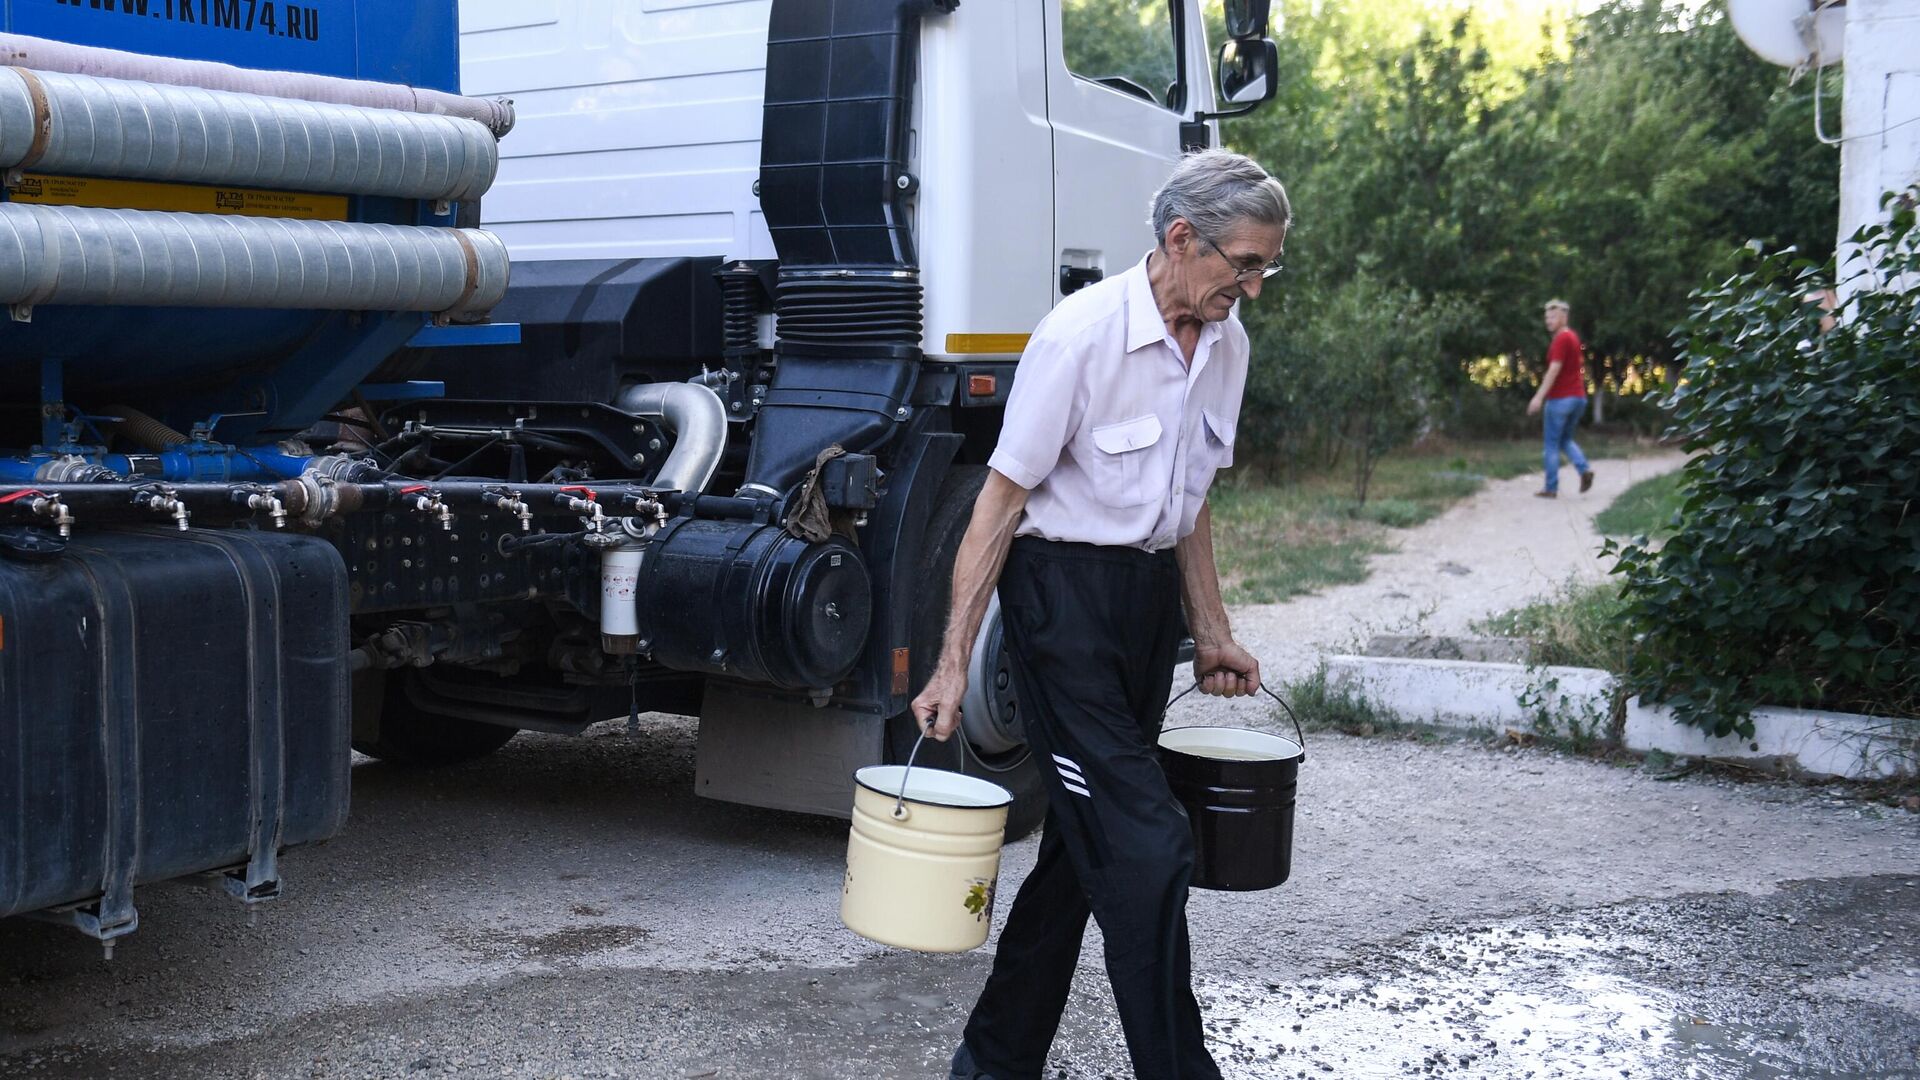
(568, 907)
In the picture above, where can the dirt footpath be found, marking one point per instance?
(1492, 552)
(569, 908)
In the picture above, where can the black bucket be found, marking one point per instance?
(1238, 789)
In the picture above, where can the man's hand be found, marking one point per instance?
(1226, 670)
(1533, 407)
(940, 703)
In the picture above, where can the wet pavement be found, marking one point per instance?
(568, 908)
(1819, 980)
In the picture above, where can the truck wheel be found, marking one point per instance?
(405, 734)
(992, 748)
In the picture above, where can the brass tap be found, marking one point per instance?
(432, 505)
(510, 503)
(51, 507)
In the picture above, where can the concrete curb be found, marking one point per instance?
(1481, 696)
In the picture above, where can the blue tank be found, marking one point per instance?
(266, 371)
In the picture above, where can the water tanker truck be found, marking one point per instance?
(292, 465)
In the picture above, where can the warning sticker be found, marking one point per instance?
(184, 198)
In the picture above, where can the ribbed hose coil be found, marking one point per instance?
(143, 430)
(739, 312)
(139, 258)
(89, 126)
(848, 308)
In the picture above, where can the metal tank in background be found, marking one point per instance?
(199, 259)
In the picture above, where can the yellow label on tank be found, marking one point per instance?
(184, 198)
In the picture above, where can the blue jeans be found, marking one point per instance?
(1562, 415)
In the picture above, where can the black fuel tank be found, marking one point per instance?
(170, 703)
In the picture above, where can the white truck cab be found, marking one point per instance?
(1040, 130)
(894, 193)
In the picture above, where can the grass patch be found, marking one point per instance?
(1582, 626)
(1273, 544)
(1396, 513)
(1275, 540)
(1322, 705)
(1649, 508)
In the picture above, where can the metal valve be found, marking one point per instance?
(51, 507)
(275, 509)
(164, 501)
(510, 503)
(652, 509)
(589, 509)
(432, 505)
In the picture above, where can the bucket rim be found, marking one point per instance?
(1287, 750)
(868, 776)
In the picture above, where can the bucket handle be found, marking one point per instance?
(1301, 735)
(900, 804)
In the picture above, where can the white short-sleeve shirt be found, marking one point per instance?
(1115, 437)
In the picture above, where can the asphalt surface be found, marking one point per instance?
(568, 908)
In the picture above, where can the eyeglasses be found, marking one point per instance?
(1242, 275)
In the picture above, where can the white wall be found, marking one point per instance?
(1880, 119)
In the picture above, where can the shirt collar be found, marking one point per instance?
(1144, 323)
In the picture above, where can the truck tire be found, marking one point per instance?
(1012, 769)
(412, 736)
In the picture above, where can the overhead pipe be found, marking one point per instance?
(698, 421)
(143, 258)
(85, 125)
(316, 496)
(41, 54)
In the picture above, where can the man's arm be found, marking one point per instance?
(1222, 666)
(1546, 384)
(976, 569)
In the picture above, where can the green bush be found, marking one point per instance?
(1795, 576)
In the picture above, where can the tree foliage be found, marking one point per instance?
(1375, 391)
(1794, 576)
(1617, 165)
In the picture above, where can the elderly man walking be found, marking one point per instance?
(1562, 397)
(1094, 525)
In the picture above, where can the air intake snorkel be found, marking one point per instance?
(833, 181)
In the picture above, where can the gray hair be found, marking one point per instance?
(1215, 190)
(1558, 305)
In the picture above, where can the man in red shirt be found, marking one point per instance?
(1562, 397)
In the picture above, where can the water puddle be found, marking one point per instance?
(1493, 1002)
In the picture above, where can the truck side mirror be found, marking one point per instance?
(1247, 70)
(1246, 18)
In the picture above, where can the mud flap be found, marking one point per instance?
(759, 749)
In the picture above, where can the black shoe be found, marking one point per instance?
(964, 1068)
(1586, 481)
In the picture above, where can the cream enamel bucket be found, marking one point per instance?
(923, 857)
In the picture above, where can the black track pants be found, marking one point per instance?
(1093, 634)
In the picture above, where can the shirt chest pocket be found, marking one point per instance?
(1119, 465)
(1212, 451)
